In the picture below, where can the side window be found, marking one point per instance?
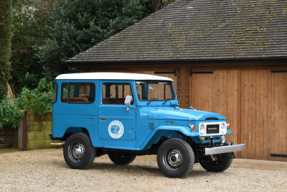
(55, 91)
(81, 92)
(64, 92)
(115, 93)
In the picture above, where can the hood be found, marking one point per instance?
(182, 114)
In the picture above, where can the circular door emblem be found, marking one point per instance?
(116, 129)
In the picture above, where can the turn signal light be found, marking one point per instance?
(203, 139)
(229, 126)
(193, 127)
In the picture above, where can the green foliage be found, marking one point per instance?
(5, 45)
(10, 114)
(154, 5)
(79, 25)
(38, 100)
(28, 27)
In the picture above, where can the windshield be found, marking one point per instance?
(155, 90)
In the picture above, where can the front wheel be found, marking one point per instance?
(220, 165)
(175, 158)
(121, 158)
(79, 152)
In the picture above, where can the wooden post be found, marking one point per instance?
(182, 87)
(15, 138)
(24, 133)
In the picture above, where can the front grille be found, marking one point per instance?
(210, 129)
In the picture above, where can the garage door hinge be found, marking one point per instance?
(279, 71)
(199, 72)
(166, 72)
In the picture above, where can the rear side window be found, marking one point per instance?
(55, 91)
(64, 93)
(78, 93)
(81, 92)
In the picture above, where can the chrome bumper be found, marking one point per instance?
(224, 149)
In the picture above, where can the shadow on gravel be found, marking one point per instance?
(137, 169)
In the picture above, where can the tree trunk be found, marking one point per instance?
(5, 45)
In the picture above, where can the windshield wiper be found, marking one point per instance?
(165, 102)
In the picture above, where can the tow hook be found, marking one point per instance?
(211, 141)
(214, 158)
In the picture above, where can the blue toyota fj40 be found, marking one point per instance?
(126, 114)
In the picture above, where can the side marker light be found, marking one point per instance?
(193, 127)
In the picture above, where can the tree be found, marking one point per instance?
(79, 25)
(154, 5)
(5, 45)
(28, 28)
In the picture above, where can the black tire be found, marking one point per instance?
(79, 152)
(221, 165)
(121, 158)
(175, 158)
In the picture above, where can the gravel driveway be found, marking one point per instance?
(46, 170)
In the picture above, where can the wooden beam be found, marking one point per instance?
(24, 136)
(182, 87)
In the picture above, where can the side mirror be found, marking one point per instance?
(128, 101)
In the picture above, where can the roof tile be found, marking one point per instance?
(205, 29)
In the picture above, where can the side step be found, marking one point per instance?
(58, 144)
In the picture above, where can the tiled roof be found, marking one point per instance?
(199, 29)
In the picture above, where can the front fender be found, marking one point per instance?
(168, 132)
(183, 129)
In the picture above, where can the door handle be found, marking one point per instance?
(103, 118)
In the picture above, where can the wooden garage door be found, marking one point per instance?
(219, 92)
(278, 119)
(254, 112)
(254, 102)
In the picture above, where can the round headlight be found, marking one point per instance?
(201, 129)
(223, 128)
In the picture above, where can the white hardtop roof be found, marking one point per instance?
(111, 76)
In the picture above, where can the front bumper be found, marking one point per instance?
(224, 149)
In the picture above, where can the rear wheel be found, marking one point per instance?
(79, 152)
(121, 158)
(220, 165)
(175, 158)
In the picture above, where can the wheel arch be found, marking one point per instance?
(71, 130)
(168, 132)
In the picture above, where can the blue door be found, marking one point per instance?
(115, 123)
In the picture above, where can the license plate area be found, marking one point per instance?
(214, 128)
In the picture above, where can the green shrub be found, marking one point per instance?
(10, 114)
(38, 100)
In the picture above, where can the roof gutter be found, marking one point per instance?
(176, 61)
